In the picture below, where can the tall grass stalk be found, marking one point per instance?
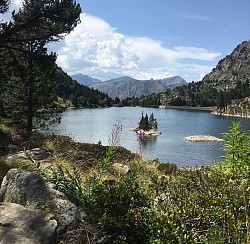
(114, 140)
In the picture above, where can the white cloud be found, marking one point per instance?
(15, 5)
(95, 48)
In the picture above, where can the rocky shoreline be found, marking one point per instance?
(231, 115)
(151, 132)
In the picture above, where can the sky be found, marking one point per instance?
(156, 39)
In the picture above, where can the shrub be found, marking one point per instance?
(67, 181)
(167, 168)
(115, 204)
(237, 148)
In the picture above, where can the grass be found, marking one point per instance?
(66, 152)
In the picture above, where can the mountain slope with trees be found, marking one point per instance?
(77, 94)
(228, 81)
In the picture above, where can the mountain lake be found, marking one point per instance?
(96, 125)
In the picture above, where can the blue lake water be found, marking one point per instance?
(95, 125)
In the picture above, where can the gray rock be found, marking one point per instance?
(13, 147)
(39, 153)
(120, 168)
(32, 191)
(35, 155)
(23, 226)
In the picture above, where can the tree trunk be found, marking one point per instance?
(30, 101)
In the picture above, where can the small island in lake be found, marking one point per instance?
(198, 138)
(147, 127)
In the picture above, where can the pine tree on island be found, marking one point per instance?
(153, 122)
(148, 125)
(144, 123)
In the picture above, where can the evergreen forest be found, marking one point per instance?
(33, 89)
(195, 94)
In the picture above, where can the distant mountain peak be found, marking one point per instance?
(126, 86)
(85, 79)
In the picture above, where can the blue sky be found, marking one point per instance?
(153, 38)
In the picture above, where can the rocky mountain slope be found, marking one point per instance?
(232, 69)
(226, 83)
(237, 108)
(126, 86)
(172, 82)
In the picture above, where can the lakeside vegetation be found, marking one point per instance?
(151, 202)
(148, 203)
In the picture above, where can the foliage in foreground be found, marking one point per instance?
(237, 148)
(207, 205)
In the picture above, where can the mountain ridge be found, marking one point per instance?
(85, 79)
(126, 86)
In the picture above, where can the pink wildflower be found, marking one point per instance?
(142, 136)
(16, 137)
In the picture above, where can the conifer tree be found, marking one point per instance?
(144, 124)
(27, 68)
(27, 88)
(152, 122)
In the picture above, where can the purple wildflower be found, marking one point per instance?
(141, 135)
(16, 137)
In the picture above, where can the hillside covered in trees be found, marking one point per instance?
(78, 95)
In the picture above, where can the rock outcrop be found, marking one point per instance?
(151, 132)
(198, 138)
(22, 225)
(231, 69)
(121, 169)
(33, 192)
(237, 108)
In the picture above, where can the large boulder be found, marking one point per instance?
(32, 191)
(21, 225)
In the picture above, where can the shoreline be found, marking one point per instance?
(189, 108)
(151, 132)
(231, 115)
